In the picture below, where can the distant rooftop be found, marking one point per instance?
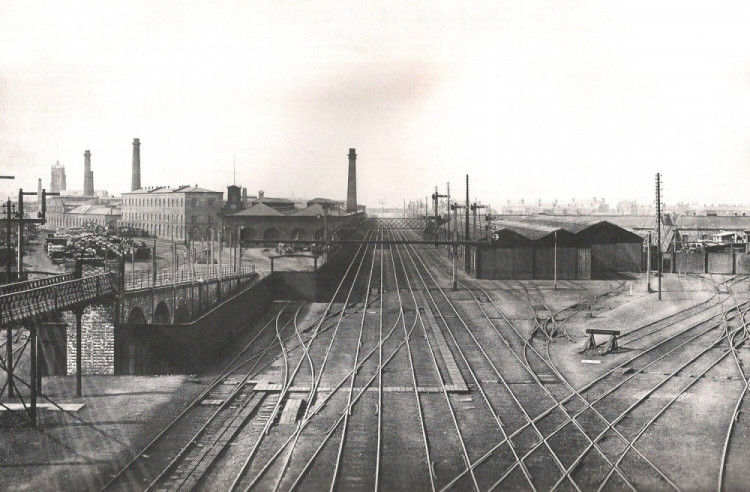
(169, 189)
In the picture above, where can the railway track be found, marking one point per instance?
(677, 317)
(519, 461)
(400, 355)
(199, 421)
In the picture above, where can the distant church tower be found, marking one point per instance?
(57, 181)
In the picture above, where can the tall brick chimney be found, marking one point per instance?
(88, 175)
(351, 192)
(135, 183)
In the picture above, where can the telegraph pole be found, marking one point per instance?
(19, 265)
(467, 248)
(658, 230)
(554, 282)
(474, 207)
(448, 207)
(8, 239)
(435, 200)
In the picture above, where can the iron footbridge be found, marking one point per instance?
(27, 300)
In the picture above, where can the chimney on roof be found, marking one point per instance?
(260, 194)
(351, 192)
(244, 197)
(88, 175)
(135, 182)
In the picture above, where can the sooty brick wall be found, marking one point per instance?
(98, 340)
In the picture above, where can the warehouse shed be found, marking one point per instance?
(584, 250)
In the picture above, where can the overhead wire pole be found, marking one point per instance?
(436, 200)
(33, 331)
(9, 331)
(658, 230)
(448, 207)
(467, 250)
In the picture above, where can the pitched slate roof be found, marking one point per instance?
(317, 209)
(257, 210)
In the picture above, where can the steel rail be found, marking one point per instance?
(669, 404)
(319, 407)
(647, 394)
(226, 425)
(587, 387)
(354, 376)
(459, 434)
(348, 408)
(215, 382)
(528, 418)
(525, 363)
(550, 365)
(705, 303)
(431, 473)
(741, 397)
(185, 448)
(314, 384)
(380, 374)
(314, 335)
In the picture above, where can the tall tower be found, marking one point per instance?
(135, 183)
(57, 181)
(351, 192)
(88, 175)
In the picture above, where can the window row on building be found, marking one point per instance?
(153, 202)
(163, 202)
(162, 217)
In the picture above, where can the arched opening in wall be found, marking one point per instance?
(182, 313)
(299, 234)
(195, 234)
(318, 235)
(247, 234)
(161, 313)
(136, 317)
(271, 235)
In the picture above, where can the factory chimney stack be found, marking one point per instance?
(88, 175)
(351, 193)
(135, 183)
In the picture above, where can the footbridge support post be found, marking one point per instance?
(9, 359)
(78, 312)
(33, 371)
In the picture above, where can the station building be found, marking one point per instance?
(261, 221)
(522, 250)
(184, 212)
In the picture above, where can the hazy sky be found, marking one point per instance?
(535, 99)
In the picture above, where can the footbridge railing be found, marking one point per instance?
(418, 223)
(33, 284)
(22, 305)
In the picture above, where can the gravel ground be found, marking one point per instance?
(76, 452)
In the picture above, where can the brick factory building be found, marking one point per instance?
(184, 212)
(77, 211)
(81, 213)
